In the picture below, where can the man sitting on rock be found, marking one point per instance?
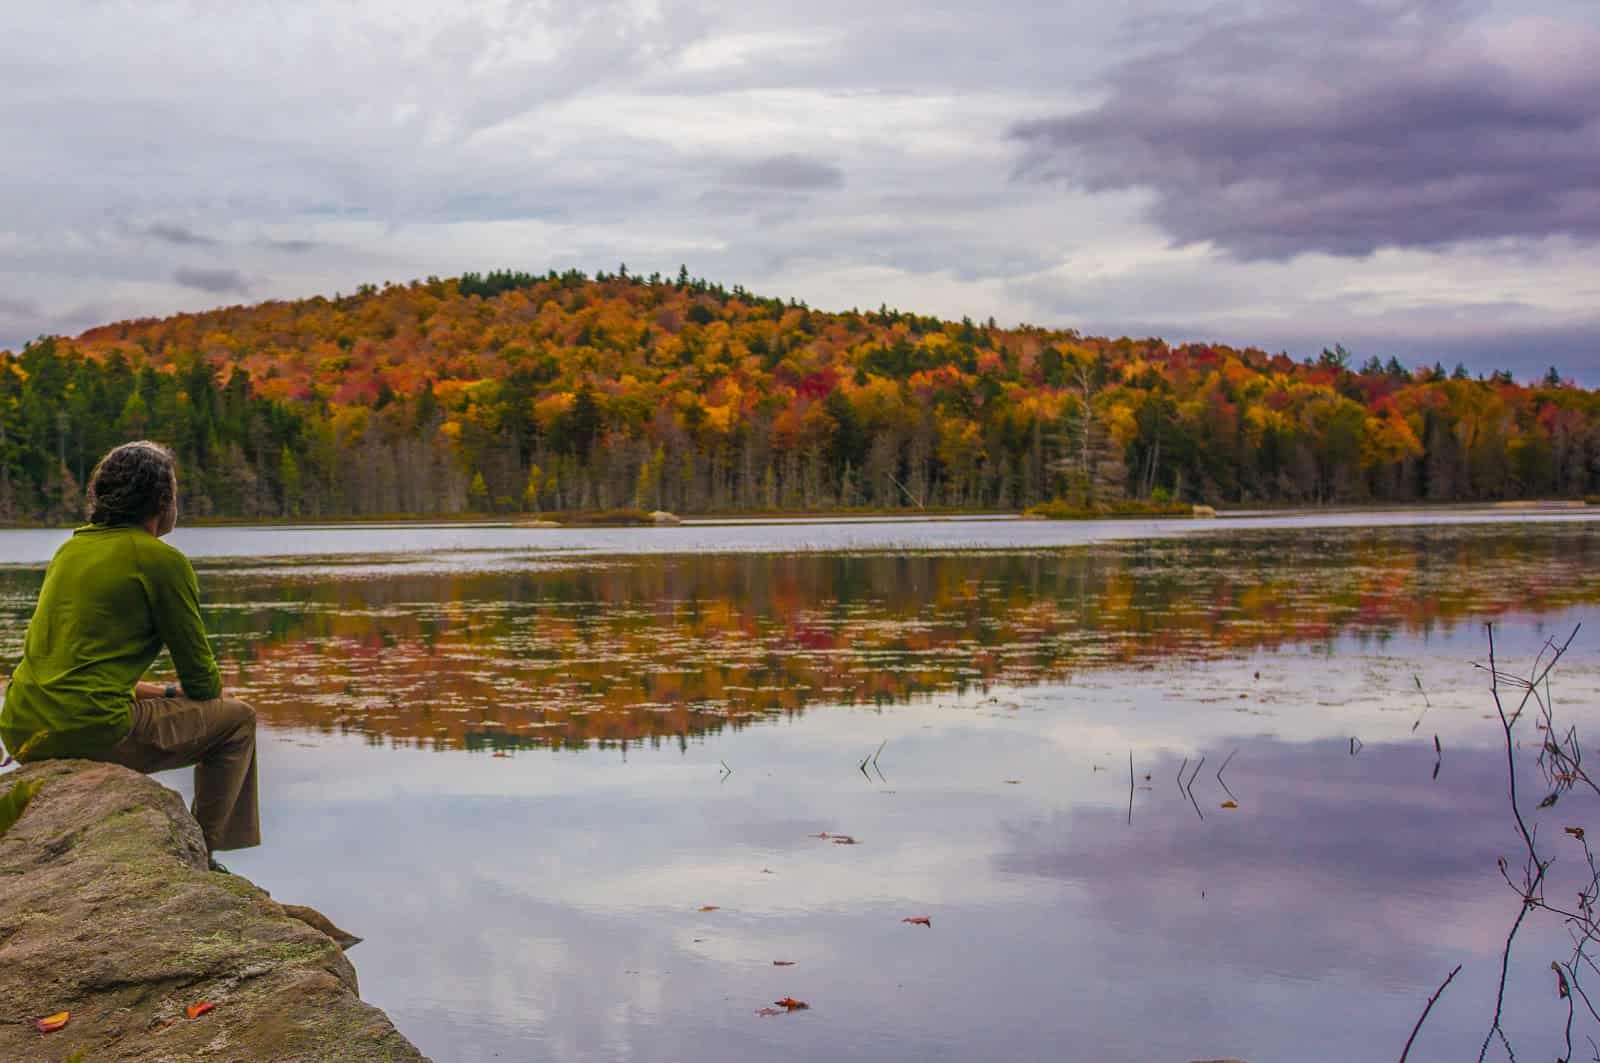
(114, 594)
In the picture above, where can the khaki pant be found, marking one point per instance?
(219, 738)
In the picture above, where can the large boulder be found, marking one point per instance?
(107, 911)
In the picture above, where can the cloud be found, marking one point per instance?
(215, 281)
(790, 172)
(1486, 306)
(181, 235)
(23, 320)
(1345, 128)
(782, 148)
(1323, 860)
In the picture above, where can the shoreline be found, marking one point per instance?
(855, 515)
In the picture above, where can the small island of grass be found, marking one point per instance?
(1062, 509)
(604, 518)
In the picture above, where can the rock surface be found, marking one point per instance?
(107, 911)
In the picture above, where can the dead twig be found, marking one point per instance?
(1189, 789)
(1437, 993)
(1222, 769)
(1130, 787)
(1426, 704)
(1534, 867)
(872, 760)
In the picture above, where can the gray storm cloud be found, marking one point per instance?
(1344, 128)
(216, 281)
(181, 235)
(791, 171)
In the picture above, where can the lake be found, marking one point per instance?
(584, 791)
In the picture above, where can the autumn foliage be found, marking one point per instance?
(512, 392)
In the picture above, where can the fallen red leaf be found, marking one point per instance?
(52, 1023)
(1230, 804)
(918, 920)
(791, 1004)
(783, 963)
(1576, 832)
(710, 907)
(194, 1011)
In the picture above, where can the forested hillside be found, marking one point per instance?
(512, 392)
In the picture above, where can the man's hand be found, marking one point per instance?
(149, 690)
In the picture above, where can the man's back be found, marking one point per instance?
(111, 597)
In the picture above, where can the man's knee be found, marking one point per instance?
(240, 715)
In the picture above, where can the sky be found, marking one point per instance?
(1417, 178)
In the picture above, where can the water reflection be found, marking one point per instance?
(548, 906)
(633, 649)
(557, 915)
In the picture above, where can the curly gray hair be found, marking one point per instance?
(133, 483)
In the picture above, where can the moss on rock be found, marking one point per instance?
(111, 914)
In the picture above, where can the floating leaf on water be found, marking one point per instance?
(194, 1011)
(52, 1023)
(1230, 804)
(783, 963)
(791, 1004)
(1576, 832)
(918, 920)
(710, 907)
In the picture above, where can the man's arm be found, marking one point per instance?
(175, 600)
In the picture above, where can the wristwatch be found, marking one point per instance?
(171, 691)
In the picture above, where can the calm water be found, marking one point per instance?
(521, 762)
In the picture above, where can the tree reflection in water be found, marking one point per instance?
(659, 648)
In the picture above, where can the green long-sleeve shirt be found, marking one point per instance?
(112, 597)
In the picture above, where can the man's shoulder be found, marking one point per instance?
(153, 551)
